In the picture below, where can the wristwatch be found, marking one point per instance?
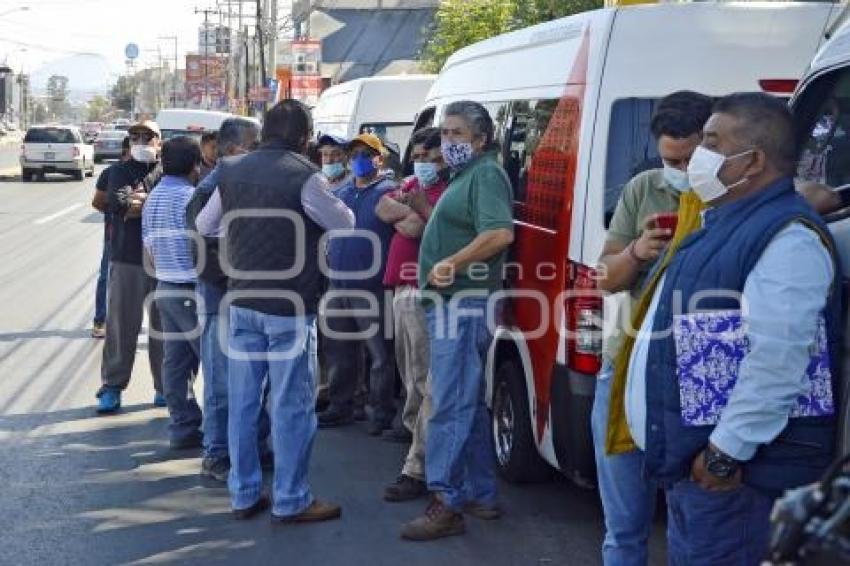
(719, 464)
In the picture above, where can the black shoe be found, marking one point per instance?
(377, 428)
(187, 443)
(261, 505)
(400, 435)
(334, 417)
(405, 488)
(215, 468)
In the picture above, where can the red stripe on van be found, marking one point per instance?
(543, 233)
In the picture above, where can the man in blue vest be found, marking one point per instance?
(728, 389)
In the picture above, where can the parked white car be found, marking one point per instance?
(56, 149)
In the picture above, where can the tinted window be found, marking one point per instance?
(825, 147)
(631, 147)
(528, 123)
(50, 135)
(499, 113)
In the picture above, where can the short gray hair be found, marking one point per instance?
(237, 132)
(475, 116)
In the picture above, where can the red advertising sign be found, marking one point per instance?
(205, 76)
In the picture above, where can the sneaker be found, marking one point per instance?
(108, 402)
(317, 511)
(159, 400)
(215, 468)
(483, 511)
(333, 417)
(189, 442)
(377, 428)
(405, 488)
(438, 521)
(98, 330)
(261, 505)
(400, 435)
(360, 415)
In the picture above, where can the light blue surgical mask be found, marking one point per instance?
(426, 173)
(676, 178)
(333, 170)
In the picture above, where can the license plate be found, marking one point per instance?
(49, 156)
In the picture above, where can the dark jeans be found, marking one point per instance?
(102, 279)
(178, 310)
(717, 528)
(342, 352)
(214, 362)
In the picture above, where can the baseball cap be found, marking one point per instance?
(330, 139)
(145, 126)
(369, 140)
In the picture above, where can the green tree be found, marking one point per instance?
(98, 108)
(57, 91)
(122, 94)
(459, 23)
(39, 113)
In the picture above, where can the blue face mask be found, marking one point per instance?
(362, 166)
(426, 173)
(333, 170)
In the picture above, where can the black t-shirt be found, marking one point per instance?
(103, 179)
(127, 233)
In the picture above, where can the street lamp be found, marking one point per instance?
(13, 10)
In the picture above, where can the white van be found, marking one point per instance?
(174, 122)
(385, 106)
(572, 101)
(821, 107)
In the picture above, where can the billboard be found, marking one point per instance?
(205, 75)
(306, 89)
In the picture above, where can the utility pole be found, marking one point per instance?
(174, 71)
(206, 12)
(261, 46)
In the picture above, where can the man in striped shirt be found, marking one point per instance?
(166, 239)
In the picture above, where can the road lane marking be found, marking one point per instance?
(56, 215)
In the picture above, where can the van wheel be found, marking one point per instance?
(78, 175)
(26, 175)
(516, 451)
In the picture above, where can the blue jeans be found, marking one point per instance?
(458, 455)
(285, 348)
(717, 528)
(214, 363)
(628, 499)
(102, 279)
(181, 355)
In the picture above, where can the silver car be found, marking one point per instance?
(108, 145)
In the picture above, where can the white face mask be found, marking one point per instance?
(703, 170)
(143, 153)
(676, 178)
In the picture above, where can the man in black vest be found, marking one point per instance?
(276, 207)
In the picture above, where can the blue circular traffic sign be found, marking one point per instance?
(131, 51)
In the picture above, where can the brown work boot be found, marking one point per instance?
(248, 512)
(317, 511)
(405, 488)
(482, 511)
(439, 521)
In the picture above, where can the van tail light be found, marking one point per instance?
(584, 319)
(76, 151)
(778, 86)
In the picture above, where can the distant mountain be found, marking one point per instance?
(87, 75)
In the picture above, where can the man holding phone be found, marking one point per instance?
(642, 227)
(129, 281)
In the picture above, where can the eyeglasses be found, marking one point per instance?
(141, 136)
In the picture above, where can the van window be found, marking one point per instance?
(499, 113)
(50, 135)
(528, 123)
(631, 147)
(825, 154)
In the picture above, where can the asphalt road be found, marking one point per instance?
(81, 489)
